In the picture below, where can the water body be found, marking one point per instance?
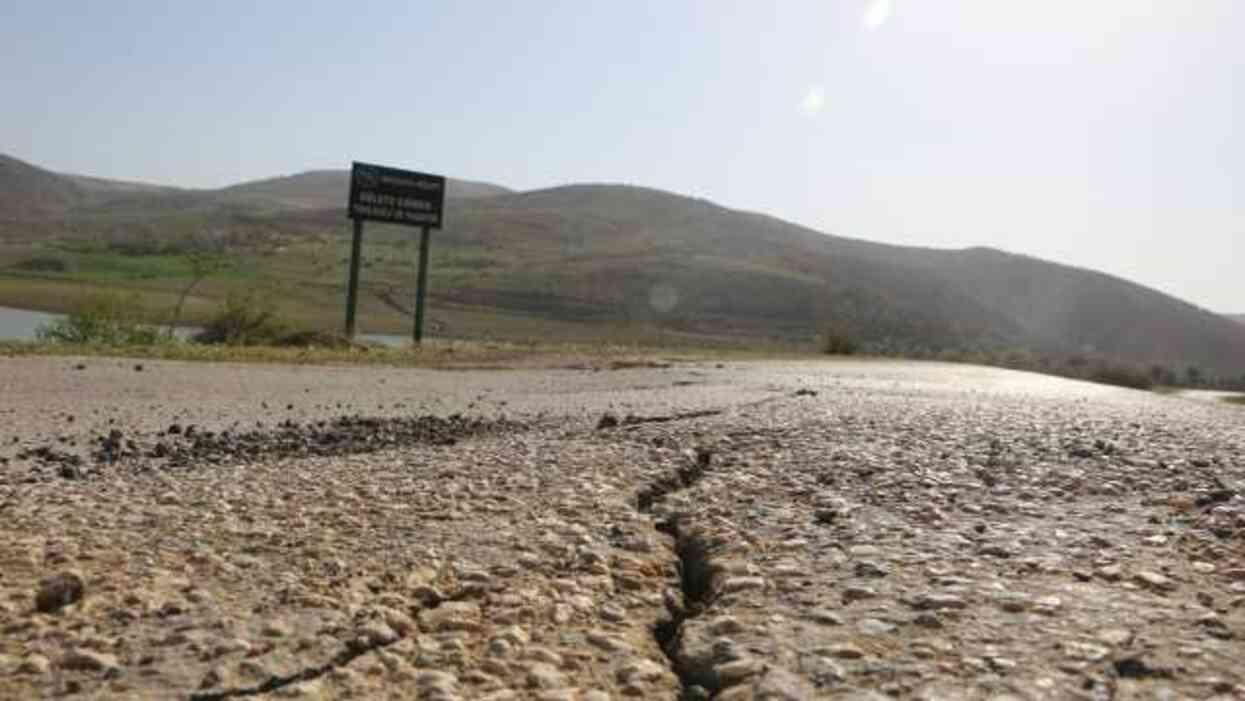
(21, 325)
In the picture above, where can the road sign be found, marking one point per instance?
(380, 193)
(384, 194)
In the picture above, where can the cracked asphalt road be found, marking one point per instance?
(846, 529)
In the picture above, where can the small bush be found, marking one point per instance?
(838, 344)
(109, 320)
(244, 320)
(43, 264)
(1121, 376)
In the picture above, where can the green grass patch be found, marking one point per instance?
(108, 267)
(1237, 399)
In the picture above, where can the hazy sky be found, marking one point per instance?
(1093, 132)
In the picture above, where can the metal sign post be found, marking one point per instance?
(380, 193)
(352, 291)
(421, 286)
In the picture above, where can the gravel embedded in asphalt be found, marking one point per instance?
(770, 530)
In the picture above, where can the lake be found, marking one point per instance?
(20, 324)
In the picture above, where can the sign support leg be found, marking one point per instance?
(421, 286)
(352, 290)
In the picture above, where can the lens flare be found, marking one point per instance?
(814, 100)
(663, 298)
(876, 14)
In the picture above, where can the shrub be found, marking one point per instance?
(833, 343)
(1121, 376)
(245, 319)
(110, 320)
(43, 264)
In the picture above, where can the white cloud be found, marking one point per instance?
(876, 14)
(814, 100)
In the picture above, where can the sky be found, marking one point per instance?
(1097, 133)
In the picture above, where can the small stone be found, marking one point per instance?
(429, 679)
(275, 629)
(59, 591)
(607, 642)
(543, 654)
(726, 625)
(515, 635)
(230, 646)
(542, 675)
(213, 678)
(856, 593)
(1085, 651)
(1116, 637)
(640, 671)
(453, 615)
(937, 602)
(843, 651)
(613, 614)
(89, 661)
(735, 671)
(1111, 573)
(34, 664)
(865, 568)
(1048, 605)
(825, 618)
(873, 626)
(738, 584)
(377, 633)
(1012, 602)
(1154, 580)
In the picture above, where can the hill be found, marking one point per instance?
(30, 193)
(327, 188)
(610, 255)
(1237, 317)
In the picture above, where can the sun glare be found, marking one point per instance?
(814, 100)
(876, 14)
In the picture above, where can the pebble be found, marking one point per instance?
(937, 601)
(89, 661)
(738, 584)
(453, 615)
(641, 671)
(59, 591)
(34, 664)
(1154, 580)
(542, 675)
(842, 651)
(735, 671)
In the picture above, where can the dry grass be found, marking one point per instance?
(448, 354)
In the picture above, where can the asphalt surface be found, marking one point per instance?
(832, 528)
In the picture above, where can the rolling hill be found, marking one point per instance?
(616, 254)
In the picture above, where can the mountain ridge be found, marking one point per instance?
(611, 253)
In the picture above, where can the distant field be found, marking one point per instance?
(307, 279)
